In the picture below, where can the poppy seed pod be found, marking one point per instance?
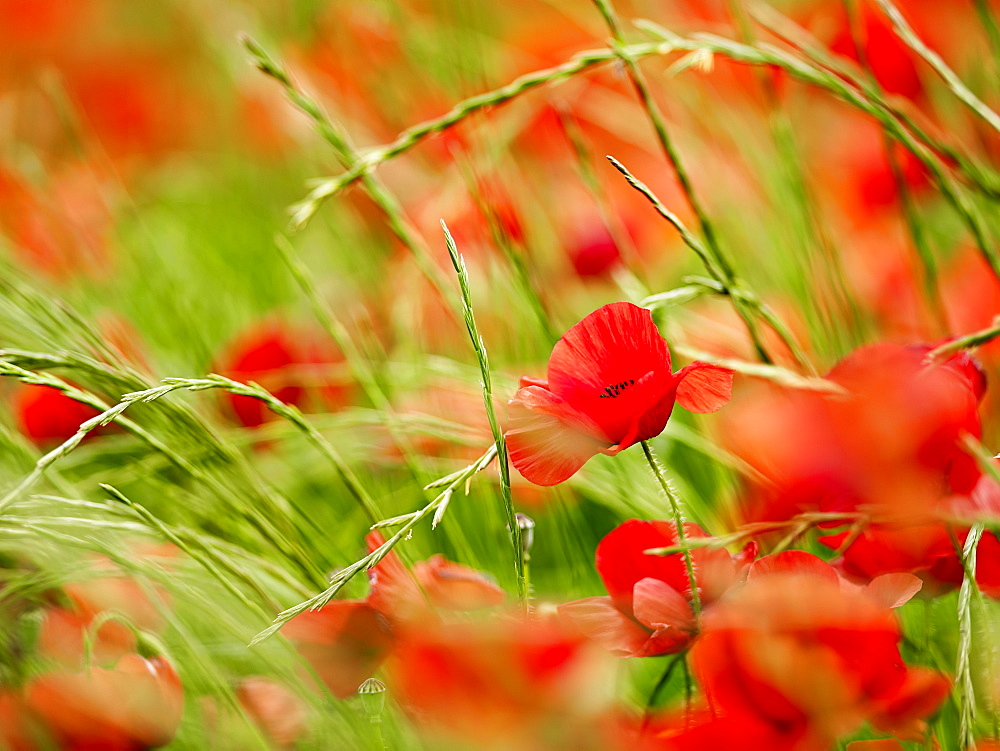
(372, 693)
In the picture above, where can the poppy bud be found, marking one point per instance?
(372, 693)
(527, 526)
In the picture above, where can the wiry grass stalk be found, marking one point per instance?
(989, 22)
(745, 303)
(292, 413)
(983, 178)
(900, 131)
(748, 531)
(678, 516)
(512, 256)
(925, 256)
(108, 415)
(359, 365)
(773, 373)
(289, 412)
(828, 74)
(268, 512)
(932, 58)
(498, 437)
(968, 341)
(727, 275)
(328, 187)
(963, 666)
(376, 189)
(195, 555)
(407, 522)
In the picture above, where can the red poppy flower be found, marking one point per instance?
(648, 610)
(609, 386)
(925, 550)
(593, 252)
(434, 584)
(345, 642)
(280, 714)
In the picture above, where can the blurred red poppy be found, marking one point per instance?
(435, 584)
(928, 551)
(279, 713)
(503, 684)
(890, 590)
(47, 416)
(135, 705)
(347, 640)
(609, 386)
(648, 610)
(290, 364)
(889, 58)
(891, 445)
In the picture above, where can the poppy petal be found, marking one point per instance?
(452, 586)
(921, 694)
(656, 604)
(792, 562)
(344, 642)
(622, 561)
(598, 619)
(394, 590)
(615, 343)
(703, 387)
(544, 439)
(893, 590)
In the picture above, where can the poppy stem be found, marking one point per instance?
(675, 508)
(647, 715)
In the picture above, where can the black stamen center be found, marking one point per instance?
(615, 389)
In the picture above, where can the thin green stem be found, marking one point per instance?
(376, 189)
(647, 715)
(361, 370)
(498, 437)
(968, 341)
(932, 58)
(675, 510)
(725, 267)
(745, 303)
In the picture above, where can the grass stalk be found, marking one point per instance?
(745, 303)
(725, 268)
(498, 437)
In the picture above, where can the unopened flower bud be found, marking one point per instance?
(372, 693)
(527, 526)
